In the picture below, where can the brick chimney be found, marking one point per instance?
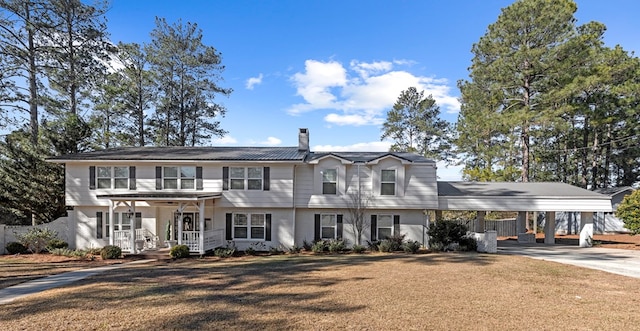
(303, 140)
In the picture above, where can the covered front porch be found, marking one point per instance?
(176, 218)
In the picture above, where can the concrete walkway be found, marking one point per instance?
(19, 291)
(618, 261)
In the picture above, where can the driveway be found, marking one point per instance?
(617, 261)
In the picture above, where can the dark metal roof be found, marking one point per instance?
(369, 156)
(612, 191)
(190, 153)
(504, 189)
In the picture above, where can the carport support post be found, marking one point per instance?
(479, 228)
(550, 228)
(520, 222)
(586, 229)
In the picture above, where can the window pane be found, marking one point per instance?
(170, 183)
(237, 184)
(236, 172)
(329, 175)
(171, 172)
(257, 220)
(328, 233)
(328, 220)
(240, 219)
(104, 182)
(385, 221)
(121, 172)
(257, 233)
(255, 172)
(384, 233)
(122, 183)
(239, 232)
(329, 188)
(188, 172)
(187, 184)
(104, 172)
(255, 184)
(388, 189)
(388, 175)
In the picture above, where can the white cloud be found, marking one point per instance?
(226, 140)
(271, 141)
(363, 97)
(254, 81)
(375, 146)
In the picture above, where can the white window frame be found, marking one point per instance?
(328, 181)
(180, 178)
(379, 226)
(328, 217)
(252, 178)
(252, 222)
(387, 182)
(102, 178)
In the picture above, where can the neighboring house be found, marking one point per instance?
(604, 222)
(204, 197)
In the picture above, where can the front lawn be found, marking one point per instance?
(440, 291)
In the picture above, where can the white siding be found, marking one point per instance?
(280, 194)
(281, 226)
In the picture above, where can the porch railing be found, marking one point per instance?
(212, 239)
(150, 239)
(122, 239)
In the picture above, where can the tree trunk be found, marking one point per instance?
(33, 86)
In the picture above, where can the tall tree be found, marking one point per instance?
(414, 126)
(77, 56)
(187, 73)
(520, 60)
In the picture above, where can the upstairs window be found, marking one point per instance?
(388, 182)
(254, 178)
(249, 178)
(112, 177)
(330, 181)
(236, 176)
(179, 177)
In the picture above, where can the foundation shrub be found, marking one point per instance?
(36, 239)
(411, 246)
(179, 251)
(56, 243)
(336, 245)
(358, 249)
(15, 248)
(110, 252)
(319, 246)
(443, 234)
(468, 244)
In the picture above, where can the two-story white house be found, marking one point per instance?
(280, 196)
(206, 196)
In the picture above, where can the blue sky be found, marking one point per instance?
(337, 66)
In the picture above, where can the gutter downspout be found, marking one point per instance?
(293, 204)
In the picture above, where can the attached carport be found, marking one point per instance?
(525, 197)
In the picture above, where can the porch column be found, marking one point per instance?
(535, 222)
(586, 229)
(201, 221)
(180, 223)
(479, 228)
(111, 216)
(132, 227)
(520, 222)
(550, 228)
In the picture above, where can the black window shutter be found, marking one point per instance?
(132, 178)
(225, 178)
(92, 178)
(316, 228)
(229, 227)
(396, 225)
(266, 177)
(99, 225)
(374, 227)
(199, 185)
(339, 226)
(158, 178)
(267, 230)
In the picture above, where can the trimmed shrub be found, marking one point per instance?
(224, 251)
(444, 233)
(336, 245)
(276, 250)
(385, 246)
(411, 246)
(56, 243)
(358, 249)
(294, 249)
(373, 245)
(179, 251)
(36, 239)
(15, 248)
(319, 246)
(307, 245)
(468, 244)
(110, 252)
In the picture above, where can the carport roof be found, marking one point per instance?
(510, 189)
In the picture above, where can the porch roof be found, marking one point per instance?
(162, 196)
